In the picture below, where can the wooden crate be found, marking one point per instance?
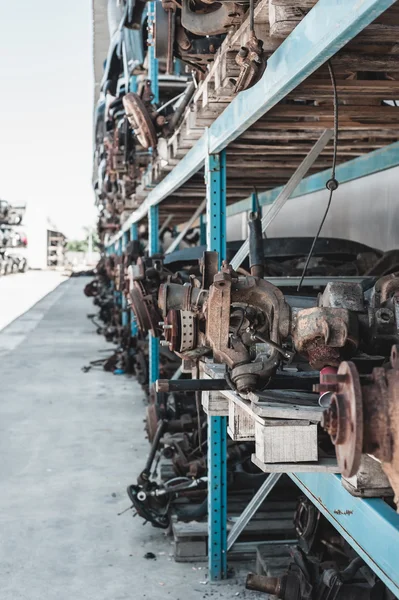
(285, 441)
(241, 424)
(215, 404)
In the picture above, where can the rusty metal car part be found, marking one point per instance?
(262, 307)
(216, 19)
(245, 320)
(363, 417)
(323, 334)
(140, 120)
(251, 62)
(146, 312)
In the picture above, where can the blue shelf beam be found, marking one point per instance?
(215, 179)
(153, 228)
(369, 525)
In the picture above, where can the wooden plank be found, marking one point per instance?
(241, 425)
(318, 88)
(323, 465)
(271, 404)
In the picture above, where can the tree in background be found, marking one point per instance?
(86, 244)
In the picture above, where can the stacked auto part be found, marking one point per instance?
(13, 239)
(290, 351)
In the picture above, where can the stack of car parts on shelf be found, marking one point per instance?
(321, 566)
(335, 339)
(340, 342)
(135, 116)
(13, 240)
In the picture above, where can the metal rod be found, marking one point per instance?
(191, 385)
(189, 223)
(251, 508)
(154, 447)
(169, 59)
(286, 192)
(177, 374)
(175, 118)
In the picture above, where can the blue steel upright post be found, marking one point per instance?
(125, 318)
(118, 252)
(153, 221)
(215, 178)
(152, 61)
(134, 236)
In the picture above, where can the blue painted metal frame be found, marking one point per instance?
(153, 222)
(325, 29)
(369, 525)
(215, 179)
(125, 315)
(153, 66)
(373, 162)
(134, 236)
(202, 230)
(118, 252)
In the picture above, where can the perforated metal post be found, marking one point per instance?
(215, 178)
(153, 222)
(118, 252)
(202, 230)
(125, 316)
(152, 61)
(134, 236)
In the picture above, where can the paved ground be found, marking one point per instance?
(70, 442)
(21, 291)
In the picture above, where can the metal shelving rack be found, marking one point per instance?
(370, 525)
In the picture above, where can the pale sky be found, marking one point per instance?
(46, 99)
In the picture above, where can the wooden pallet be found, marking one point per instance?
(273, 521)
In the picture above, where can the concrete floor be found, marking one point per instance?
(21, 291)
(70, 442)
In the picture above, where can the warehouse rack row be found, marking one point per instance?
(13, 239)
(148, 289)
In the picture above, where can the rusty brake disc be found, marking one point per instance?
(140, 120)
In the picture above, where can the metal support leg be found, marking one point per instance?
(134, 236)
(152, 61)
(286, 192)
(125, 316)
(252, 507)
(153, 218)
(118, 252)
(202, 230)
(215, 177)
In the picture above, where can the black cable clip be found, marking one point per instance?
(332, 184)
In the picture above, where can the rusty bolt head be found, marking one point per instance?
(160, 120)
(334, 419)
(329, 421)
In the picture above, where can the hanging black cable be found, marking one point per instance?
(332, 183)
